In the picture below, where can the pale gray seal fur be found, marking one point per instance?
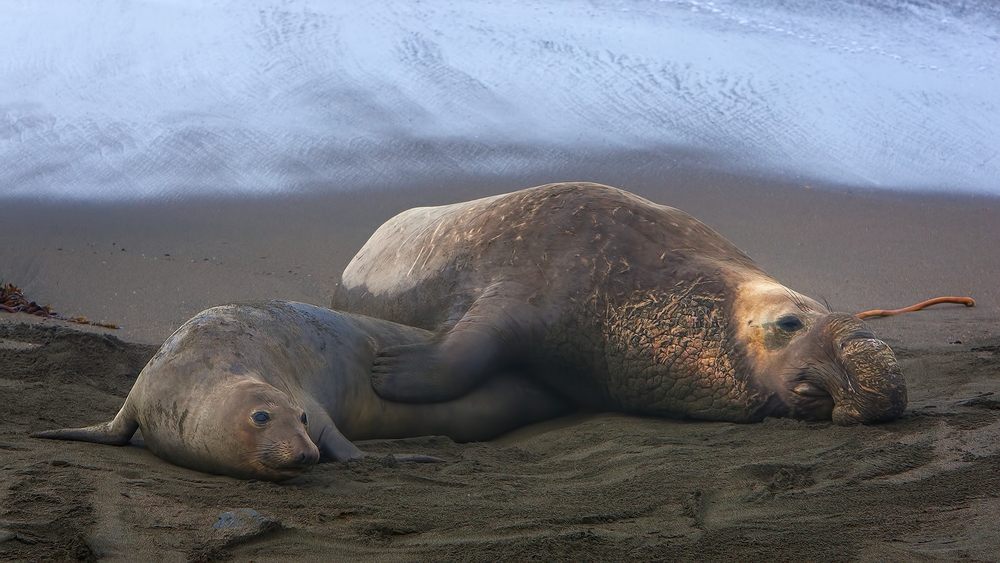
(265, 390)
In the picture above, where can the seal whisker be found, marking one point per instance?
(796, 300)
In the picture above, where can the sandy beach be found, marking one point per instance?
(161, 158)
(590, 487)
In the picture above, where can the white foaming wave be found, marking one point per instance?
(104, 100)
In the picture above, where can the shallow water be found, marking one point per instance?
(110, 100)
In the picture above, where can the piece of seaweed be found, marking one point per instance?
(12, 300)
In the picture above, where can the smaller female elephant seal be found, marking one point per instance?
(614, 301)
(265, 390)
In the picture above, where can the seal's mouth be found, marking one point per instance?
(279, 462)
(810, 399)
(807, 389)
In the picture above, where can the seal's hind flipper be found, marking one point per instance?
(115, 432)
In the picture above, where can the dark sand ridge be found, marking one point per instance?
(602, 487)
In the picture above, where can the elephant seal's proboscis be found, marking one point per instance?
(616, 302)
(265, 390)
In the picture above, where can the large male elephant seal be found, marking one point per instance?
(616, 302)
(265, 390)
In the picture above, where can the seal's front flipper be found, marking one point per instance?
(485, 340)
(431, 372)
(115, 432)
(333, 446)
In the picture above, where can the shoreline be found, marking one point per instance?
(150, 266)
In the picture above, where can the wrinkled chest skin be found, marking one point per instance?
(669, 354)
(623, 304)
(674, 354)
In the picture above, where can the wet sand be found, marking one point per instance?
(593, 487)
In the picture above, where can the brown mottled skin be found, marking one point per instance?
(617, 303)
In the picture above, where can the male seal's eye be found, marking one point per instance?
(303, 418)
(790, 323)
(260, 417)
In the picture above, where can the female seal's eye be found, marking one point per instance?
(260, 417)
(790, 323)
(303, 418)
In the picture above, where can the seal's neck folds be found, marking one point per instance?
(678, 348)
